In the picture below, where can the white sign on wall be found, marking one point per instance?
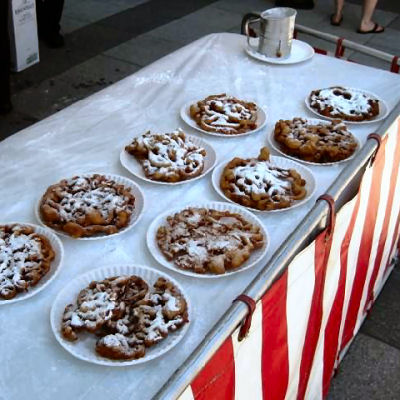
(23, 34)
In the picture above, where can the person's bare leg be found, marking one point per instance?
(338, 11)
(366, 19)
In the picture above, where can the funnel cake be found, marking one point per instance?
(169, 157)
(259, 184)
(85, 206)
(126, 314)
(25, 258)
(208, 241)
(315, 142)
(344, 103)
(224, 114)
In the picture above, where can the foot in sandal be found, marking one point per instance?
(336, 19)
(370, 27)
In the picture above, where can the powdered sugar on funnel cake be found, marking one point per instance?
(260, 184)
(224, 114)
(344, 103)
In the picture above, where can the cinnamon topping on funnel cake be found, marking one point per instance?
(344, 103)
(127, 314)
(85, 206)
(25, 257)
(208, 241)
(224, 114)
(168, 157)
(318, 142)
(259, 184)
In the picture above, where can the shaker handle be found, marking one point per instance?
(246, 29)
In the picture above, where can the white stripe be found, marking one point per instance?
(354, 245)
(301, 280)
(315, 384)
(391, 231)
(393, 217)
(187, 394)
(247, 353)
(384, 194)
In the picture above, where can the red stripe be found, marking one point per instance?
(322, 249)
(396, 230)
(365, 248)
(383, 237)
(217, 379)
(332, 330)
(275, 357)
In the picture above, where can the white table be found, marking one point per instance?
(88, 137)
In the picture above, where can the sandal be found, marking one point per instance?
(336, 23)
(376, 29)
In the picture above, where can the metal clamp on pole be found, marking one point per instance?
(378, 139)
(251, 305)
(394, 67)
(332, 215)
(339, 52)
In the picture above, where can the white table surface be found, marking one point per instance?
(88, 137)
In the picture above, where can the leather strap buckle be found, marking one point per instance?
(332, 215)
(246, 324)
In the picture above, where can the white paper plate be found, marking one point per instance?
(281, 162)
(301, 51)
(255, 256)
(134, 167)
(275, 145)
(137, 213)
(185, 115)
(383, 108)
(54, 267)
(84, 347)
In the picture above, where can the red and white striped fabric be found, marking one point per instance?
(310, 315)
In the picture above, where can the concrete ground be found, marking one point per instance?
(371, 368)
(107, 40)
